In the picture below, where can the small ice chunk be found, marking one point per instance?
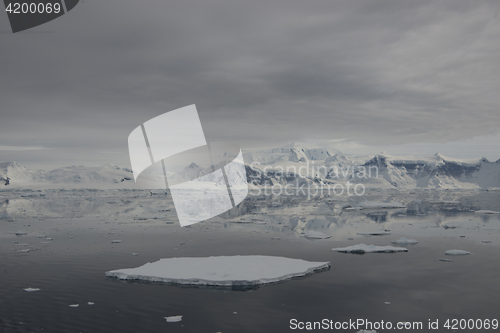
(486, 241)
(363, 248)
(116, 241)
(404, 241)
(374, 233)
(20, 233)
(74, 305)
(23, 251)
(90, 303)
(260, 222)
(48, 238)
(316, 234)
(41, 236)
(173, 319)
(456, 253)
(135, 254)
(31, 289)
(446, 260)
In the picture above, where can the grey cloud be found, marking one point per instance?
(375, 72)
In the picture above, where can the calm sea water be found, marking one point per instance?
(69, 269)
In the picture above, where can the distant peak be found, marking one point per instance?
(10, 164)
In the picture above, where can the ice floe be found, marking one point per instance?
(374, 233)
(31, 289)
(363, 248)
(74, 305)
(404, 241)
(375, 205)
(316, 234)
(221, 271)
(456, 253)
(173, 319)
(483, 211)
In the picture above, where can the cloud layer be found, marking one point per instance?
(261, 73)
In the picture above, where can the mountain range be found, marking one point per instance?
(292, 165)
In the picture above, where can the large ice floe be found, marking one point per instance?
(223, 271)
(363, 248)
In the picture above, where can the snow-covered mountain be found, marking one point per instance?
(292, 165)
(327, 167)
(14, 175)
(290, 153)
(13, 172)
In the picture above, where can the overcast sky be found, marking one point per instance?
(406, 77)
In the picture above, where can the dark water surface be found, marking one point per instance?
(69, 269)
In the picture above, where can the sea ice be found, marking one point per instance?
(404, 241)
(74, 305)
(116, 241)
(316, 234)
(456, 253)
(375, 233)
(221, 271)
(374, 205)
(173, 319)
(363, 248)
(486, 212)
(31, 289)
